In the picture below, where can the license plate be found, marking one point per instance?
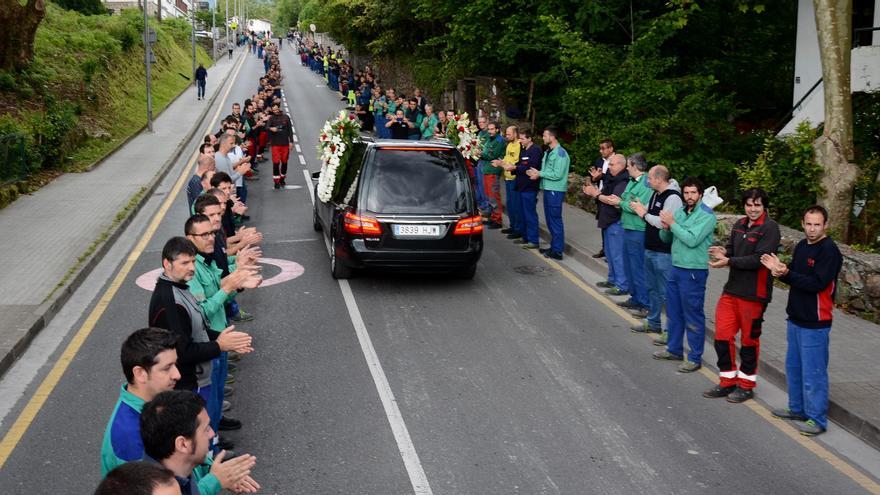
(408, 230)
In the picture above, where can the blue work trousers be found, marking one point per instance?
(482, 201)
(806, 371)
(613, 235)
(529, 202)
(657, 267)
(634, 265)
(514, 207)
(553, 217)
(685, 296)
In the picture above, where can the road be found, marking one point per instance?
(519, 381)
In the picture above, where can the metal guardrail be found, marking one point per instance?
(13, 158)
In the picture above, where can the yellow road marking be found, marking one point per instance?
(816, 448)
(27, 415)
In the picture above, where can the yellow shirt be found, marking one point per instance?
(511, 156)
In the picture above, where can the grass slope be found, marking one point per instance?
(85, 92)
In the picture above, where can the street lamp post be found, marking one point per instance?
(147, 53)
(214, 30)
(227, 24)
(192, 15)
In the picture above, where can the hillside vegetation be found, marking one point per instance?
(85, 92)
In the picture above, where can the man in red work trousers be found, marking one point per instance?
(745, 297)
(280, 135)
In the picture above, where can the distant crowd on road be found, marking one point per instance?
(164, 435)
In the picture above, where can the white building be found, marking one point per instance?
(808, 99)
(259, 25)
(170, 8)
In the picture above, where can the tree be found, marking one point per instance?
(834, 148)
(88, 7)
(20, 19)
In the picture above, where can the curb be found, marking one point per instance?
(48, 309)
(837, 412)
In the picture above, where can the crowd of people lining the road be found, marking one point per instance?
(165, 430)
(657, 238)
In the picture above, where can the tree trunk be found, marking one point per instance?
(834, 148)
(20, 23)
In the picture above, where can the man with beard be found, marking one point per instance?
(746, 294)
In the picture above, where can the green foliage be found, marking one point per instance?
(88, 7)
(88, 79)
(788, 171)
(309, 13)
(865, 228)
(52, 130)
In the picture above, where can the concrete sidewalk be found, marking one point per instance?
(57, 234)
(855, 343)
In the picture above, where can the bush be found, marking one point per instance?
(88, 7)
(788, 171)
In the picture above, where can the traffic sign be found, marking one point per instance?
(151, 36)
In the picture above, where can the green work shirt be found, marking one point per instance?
(691, 236)
(635, 189)
(554, 170)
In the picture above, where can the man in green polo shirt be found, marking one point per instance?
(554, 184)
(634, 233)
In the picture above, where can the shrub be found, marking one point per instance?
(788, 171)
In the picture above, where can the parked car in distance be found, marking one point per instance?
(413, 210)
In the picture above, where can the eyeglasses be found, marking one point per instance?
(206, 235)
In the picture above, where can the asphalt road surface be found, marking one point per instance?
(518, 382)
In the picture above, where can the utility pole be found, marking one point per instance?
(214, 30)
(149, 38)
(227, 24)
(192, 16)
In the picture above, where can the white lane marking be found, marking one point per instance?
(298, 149)
(292, 129)
(417, 476)
(414, 469)
(295, 138)
(302, 160)
(308, 176)
(293, 187)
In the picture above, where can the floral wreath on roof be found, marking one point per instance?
(463, 134)
(337, 172)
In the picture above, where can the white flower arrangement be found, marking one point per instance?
(463, 134)
(336, 138)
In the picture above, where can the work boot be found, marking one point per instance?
(718, 391)
(740, 395)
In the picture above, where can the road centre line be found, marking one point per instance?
(414, 469)
(47, 386)
(813, 446)
(417, 476)
(298, 149)
(302, 160)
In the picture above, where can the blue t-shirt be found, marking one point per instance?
(528, 158)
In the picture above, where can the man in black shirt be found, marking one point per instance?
(613, 184)
(399, 126)
(812, 275)
(280, 136)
